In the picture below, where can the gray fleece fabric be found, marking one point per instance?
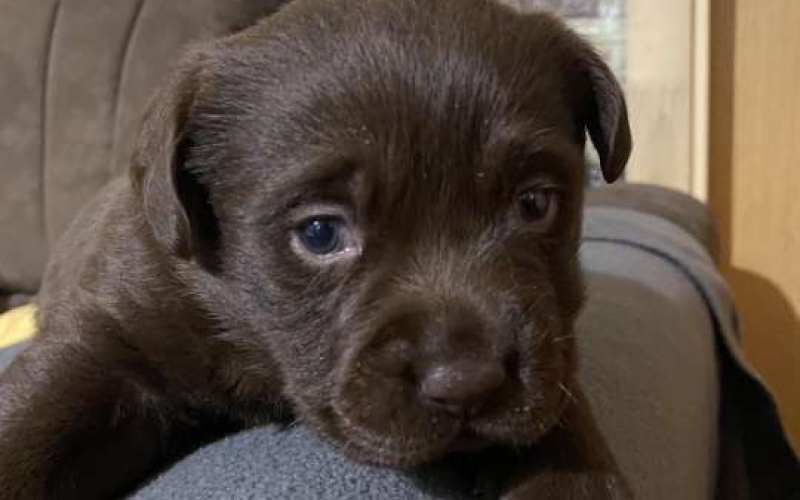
(294, 465)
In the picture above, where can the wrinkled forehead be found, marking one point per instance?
(458, 103)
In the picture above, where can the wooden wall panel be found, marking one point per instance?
(755, 181)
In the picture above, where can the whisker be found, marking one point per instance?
(566, 391)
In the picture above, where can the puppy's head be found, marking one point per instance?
(388, 194)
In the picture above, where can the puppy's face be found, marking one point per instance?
(390, 190)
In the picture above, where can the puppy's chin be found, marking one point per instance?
(376, 448)
(382, 423)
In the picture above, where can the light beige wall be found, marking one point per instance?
(659, 91)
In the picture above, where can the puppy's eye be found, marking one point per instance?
(539, 205)
(325, 237)
(321, 236)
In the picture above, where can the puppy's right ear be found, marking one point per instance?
(607, 116)
(175, 202)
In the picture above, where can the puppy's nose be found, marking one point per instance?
(461, 386)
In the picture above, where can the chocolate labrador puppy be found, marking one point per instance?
(363, 215)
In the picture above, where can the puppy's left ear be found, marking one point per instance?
(174, 199)
(606, 114)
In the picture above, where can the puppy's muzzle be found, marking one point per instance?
(450, 360)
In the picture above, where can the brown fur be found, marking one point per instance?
(175, 309)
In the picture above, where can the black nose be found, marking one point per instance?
(461, 386)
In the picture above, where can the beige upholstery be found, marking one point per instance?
(75, 76)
